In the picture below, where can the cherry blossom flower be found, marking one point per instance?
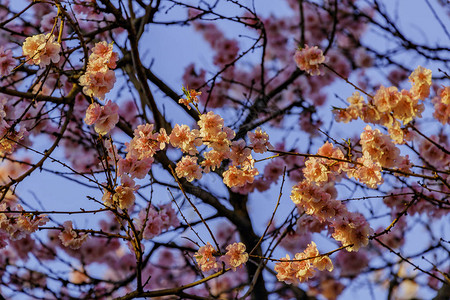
(321, 262)
(421, 82)
(31, 223)
(98, 84)
(315, 200)
(205, 258)
(212, 160)
(239, 152)
(238, 177)
(163, 139)
(41, 49)
(236, 256)
(93, 113)
(7, 61)
(309, 59)
(210, 125)
(103, 52)
(134, 167)
(71, 238)
(213, 133)
(285, 272)
(259, 140)
(144, 143)
(386, 98)
(187, 167)
(369, 173)
(99, 79)
(351, 229)
(315, 170)
(379, 147)
(124, 193)
(104, 117)
(304, 268)
(186, 139)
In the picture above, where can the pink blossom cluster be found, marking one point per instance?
(239, 176)
(121, 196)
(308, 59)
(99, 79)
(146, 142)
(70, 238)
(41, 49)
(242, 170)
(321, 170)
(234, 258)
(351, 229)
(188, 168)
(390, 106)
(316, 194)
(259, 140)
(186, 139)
(134, 167)
(104, 117)
(317, 200)
(421, 82)
(152, 222)
(215, 135)
(369, 173)
(380, 148)
(302, 266)
(442, 105)
(378, 151)
(17, 226)
(320, 203)
(7, 62)
(213, 132)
